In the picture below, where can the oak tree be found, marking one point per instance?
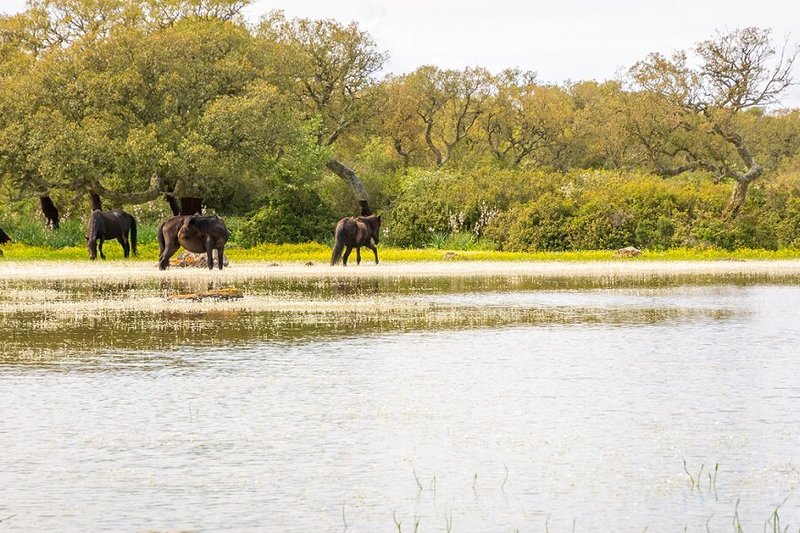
(735, 71)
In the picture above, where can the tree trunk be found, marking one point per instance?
(353, 180)
(739, 195)
(184, 205)
(737, 198)
(743, 181)
(364, 206)
(398, 147)
(191, 205)
(173, 205)
(437, 154)
(4, 238)
(50, 211)
(96, 202)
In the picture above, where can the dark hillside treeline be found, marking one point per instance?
(287, 124)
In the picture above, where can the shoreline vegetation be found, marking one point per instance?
(316, 252)
(312, 261)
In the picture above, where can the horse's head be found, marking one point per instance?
(188, 229)
(91, 244)
(375, 226)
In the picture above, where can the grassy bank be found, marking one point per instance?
(314, 252)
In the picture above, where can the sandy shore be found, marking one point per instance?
(124, 270)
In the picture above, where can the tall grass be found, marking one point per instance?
(71, 233)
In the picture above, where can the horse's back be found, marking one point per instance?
(172, 224)
(343, 223)
(213, 226)
(119, 214)
(347, 228)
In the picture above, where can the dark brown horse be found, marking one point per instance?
(196, 233)
(114, 224)
(355, 232)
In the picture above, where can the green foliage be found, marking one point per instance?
(70, 233)
(143, 97)
(539, 224)
(292, 214)
(587, 211)
(421, 210)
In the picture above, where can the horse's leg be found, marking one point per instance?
(374, 250)
(358, 255)
(126, 248)
(220, 252)
(346, 254)
(210, 256)
(100, 248)
(170, 247)
(169, 251)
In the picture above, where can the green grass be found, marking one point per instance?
(316, 252)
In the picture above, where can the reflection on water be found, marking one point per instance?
(51, 320)
(336, 406)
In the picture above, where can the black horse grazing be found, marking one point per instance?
(114, 224)
(355, 232)
(4, 238)
(196, 233)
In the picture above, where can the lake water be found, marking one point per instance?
(478, 407)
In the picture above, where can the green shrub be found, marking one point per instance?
(460, 241)
(421, 209)
(552, 211)
(537, 225)
(294, 217)
(71, 232)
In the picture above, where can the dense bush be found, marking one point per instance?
(292, 214)
(588, 210)
(502, 209)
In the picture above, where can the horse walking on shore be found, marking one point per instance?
(196, 233)
(355, 232)
(114, 224)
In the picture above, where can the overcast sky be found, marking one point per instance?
(561, 40)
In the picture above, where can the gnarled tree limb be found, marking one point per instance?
(135, 198)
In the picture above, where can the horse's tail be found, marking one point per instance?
(133, 235)
(160, 236)
(338, 243)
